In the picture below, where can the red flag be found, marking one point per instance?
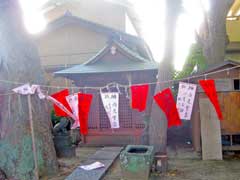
(84, 104)
(139, 96)
(165, 101)
(210, 90)
(61, 97)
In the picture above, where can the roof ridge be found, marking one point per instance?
(120, 45)
(129, 50)
(213, 67)
(99, 53)
(107, 29)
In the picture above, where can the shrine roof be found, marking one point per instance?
(115, 57)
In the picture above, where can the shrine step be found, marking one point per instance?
(106, 155)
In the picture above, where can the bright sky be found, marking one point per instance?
(33, 17)
(152, 14)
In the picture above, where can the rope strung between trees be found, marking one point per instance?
(7, 94)
(115, 84)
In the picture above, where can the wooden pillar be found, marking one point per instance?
(196, 125)
(33, 137)
(210, 131)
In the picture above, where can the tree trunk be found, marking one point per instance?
(158, 121)
(214, 37)
(19, 62)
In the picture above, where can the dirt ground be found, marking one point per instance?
(184, 164)
(67, 165)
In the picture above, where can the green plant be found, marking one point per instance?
(55, 119)
(195, 62)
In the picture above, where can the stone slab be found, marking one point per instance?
(105, 156)
(114, 149)
(106, 153)
(210, 131)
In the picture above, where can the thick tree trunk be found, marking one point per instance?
(19, 61)
(158, 121)
(214, 37)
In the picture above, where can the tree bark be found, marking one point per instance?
(19, 61)
(213, 36)
(158, 121)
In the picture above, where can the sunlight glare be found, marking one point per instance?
(33, 17)
(189, 22)
(152, 14)
(184, 39)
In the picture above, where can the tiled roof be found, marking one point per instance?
(120, 45)
(136, 62)
(105, 68)
(65, 20)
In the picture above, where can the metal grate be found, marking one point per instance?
(139, 119)
(128, 118)
(92, 123)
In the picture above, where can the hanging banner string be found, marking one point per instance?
(122, 85)
(7, 94)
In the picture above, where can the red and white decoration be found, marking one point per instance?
(210, 90)
(73, 103)
(185, 99)
(165, 101)
(25, 89)
(77, 106)
(111, 104)
(59, 105)
(61, 97)
(139, 95)
(84, 101)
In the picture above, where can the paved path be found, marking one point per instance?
(106, 155)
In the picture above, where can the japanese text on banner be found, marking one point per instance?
(185, 99)
(111, 103)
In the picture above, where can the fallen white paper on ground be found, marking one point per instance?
(92, 166)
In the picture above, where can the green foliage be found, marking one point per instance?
(55, 119)
(194, 60)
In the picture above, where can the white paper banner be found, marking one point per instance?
(36, 88)
(61, 106)
(111, 103)
(27, 89)
(185, 99)
(73, 103)
(24, 89)
(95, 165)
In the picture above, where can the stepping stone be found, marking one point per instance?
(106, 155)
